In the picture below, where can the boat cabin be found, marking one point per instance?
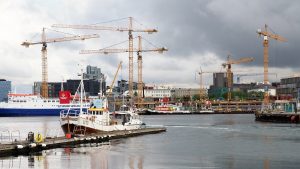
(120, 118)
(95, 111)
(284, 106)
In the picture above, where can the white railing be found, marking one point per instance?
(9, 136)
(69, 113)
(52, 133)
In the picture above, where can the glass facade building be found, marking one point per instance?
(5, 88)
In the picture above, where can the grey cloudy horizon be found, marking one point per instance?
(196, 32)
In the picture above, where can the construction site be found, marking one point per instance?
(223, 96)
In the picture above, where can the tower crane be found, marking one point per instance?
(266, 34)
(229, 73)
(238, 76)
(44, 42)
(139, 51)
(113, 82)
(119, 29)
(200, 73)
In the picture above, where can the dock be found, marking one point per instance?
(24, 147)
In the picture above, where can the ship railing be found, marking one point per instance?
(12, 162)
(15, 135)
(9, 136)
(4, 135)
(69, 113)
(53, 133)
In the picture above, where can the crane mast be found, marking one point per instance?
(201, 89)
(130, 69)
(44, 66)
(44, 41)
(115, 77)
(266, 35)
(140, 72)
(229, 72)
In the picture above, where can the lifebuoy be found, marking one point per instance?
(39, 138)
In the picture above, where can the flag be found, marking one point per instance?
(64, 97)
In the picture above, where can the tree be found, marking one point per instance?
(259, 95)
(196, 97)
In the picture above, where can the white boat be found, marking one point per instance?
(280, 106)
(281, 111)
(168, 109)
(98, 118)
(206, 108)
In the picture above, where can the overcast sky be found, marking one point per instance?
(196, 32)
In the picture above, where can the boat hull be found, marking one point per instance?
(13, 112)
(85, 130)
(278, 117)
(85, 126)
(153, 112)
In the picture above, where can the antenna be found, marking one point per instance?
(62, 84)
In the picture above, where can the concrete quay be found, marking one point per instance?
(25, 147)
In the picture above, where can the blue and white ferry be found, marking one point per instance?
(34, 105)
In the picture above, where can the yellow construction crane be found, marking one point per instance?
(266, 34)
(44, 42)
(238, 76)
(139, 51)
(113, 82)
(229, 73)
(201, 89)
(120, 29)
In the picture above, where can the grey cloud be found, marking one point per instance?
(226, 26)
(188, 28)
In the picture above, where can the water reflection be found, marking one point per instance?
(140, 162)
(218, 141)
(30, 161)
(266, 163)
(11, 162)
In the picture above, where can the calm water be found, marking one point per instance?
(191, 142)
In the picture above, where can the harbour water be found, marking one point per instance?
(191, 142)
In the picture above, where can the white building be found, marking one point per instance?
(158, 92)
(181, 92)
(161, 91)
(261, 88)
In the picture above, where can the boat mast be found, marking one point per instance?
(81, 89)
(101, 87)
(62, 85)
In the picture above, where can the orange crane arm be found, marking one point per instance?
(241, 60)
(274, 36)
(269, 34)
(70, 38)
(97, 27)
(254, 74)
(113, 82)
(106, 51)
